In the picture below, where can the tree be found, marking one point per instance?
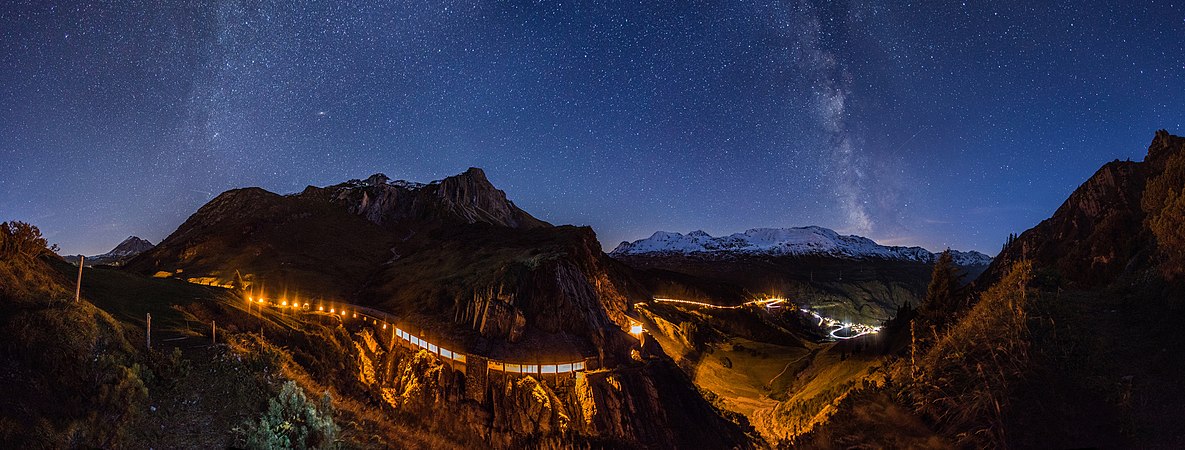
(942, 299)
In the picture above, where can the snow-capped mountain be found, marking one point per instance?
(801, 241)
(130, 247)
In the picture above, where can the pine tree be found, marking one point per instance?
(942, 300)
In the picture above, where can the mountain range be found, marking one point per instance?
(799, 241)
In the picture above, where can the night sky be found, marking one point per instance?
(935, 124)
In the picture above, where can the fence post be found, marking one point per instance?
(213, 333)
(148, 333)
(78, 288)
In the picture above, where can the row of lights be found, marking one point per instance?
(295, 304)
(635, 327)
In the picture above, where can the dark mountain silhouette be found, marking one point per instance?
(1098, 236)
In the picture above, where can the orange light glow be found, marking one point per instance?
(320, 308)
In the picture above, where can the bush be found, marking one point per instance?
(292, 421)
(19, 239)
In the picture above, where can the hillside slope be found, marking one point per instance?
(1068, 342)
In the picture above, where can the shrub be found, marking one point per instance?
(292, 421)
(19, 239)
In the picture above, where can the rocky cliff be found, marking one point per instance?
(468, 197)
(1099, 233)
(641, 405)
(514, 291)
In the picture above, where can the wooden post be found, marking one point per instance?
(213, 333)
(913, 350)
(78, 288)
(148, 333)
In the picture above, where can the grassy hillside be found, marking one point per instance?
(69, 375)
(1030, 368)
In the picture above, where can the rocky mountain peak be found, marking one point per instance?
(471, 196)
(467, 197)
(1097, 233)
(127, 249)
(133, 245)
(1163, 144)
(377, 179)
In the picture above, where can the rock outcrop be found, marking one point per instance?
(645, 406)
(468, 197)
(1098, 234)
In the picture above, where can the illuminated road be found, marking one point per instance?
(836, 326)
(770, 303)
(855, 330)
(344, 311)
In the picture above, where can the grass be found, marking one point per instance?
(129, 297)
(783, 384)
(68, 374)
(746, 385)
(965, 382)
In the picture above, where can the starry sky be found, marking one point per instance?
(933, 123)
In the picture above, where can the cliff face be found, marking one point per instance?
(514, 292)
(646, 406)
(465, 198)
(1099, 232)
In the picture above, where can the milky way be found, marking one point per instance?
(935, 124)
